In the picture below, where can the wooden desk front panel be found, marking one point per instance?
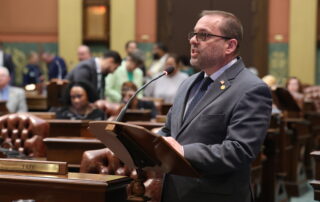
(43, 188)
(36, 102)
(70, 149)
(74, 128)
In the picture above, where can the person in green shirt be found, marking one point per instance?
(128, 71)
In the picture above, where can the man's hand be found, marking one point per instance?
(178, 147)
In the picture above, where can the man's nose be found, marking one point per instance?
(193, 40)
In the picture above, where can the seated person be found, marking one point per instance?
(128, 89)
(294, 86)
(15, 97)
(79, 99)
(184, 62)
(271, 81)
(166, 87)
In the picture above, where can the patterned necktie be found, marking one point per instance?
(201, 91)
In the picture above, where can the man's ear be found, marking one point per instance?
(231, 46)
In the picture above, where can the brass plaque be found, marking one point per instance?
(25, 166)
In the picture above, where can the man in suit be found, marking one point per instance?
(95, 69)
(83, 53)
(220, 118)
(14, 97)
(57, 68)
(7, 62)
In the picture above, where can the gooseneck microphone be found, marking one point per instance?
(167, 71)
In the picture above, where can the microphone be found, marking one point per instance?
(167, 71)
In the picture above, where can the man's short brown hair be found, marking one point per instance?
(231, 25)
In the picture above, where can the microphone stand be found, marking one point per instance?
(124, 109)
(137, 186)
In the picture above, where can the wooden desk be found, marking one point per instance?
(44, 115)
(67, 128)
(137, 115)
(147, 124)
(70, 149)
(165, 108)
(77, 187)
(36, 102)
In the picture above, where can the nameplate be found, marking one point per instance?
(31, 166)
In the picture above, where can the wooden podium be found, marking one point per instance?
(141, 149)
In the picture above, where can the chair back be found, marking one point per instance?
(25, 133)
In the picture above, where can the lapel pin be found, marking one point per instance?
(222, 82)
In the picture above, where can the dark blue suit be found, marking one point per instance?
(32, 74)
(57, 68)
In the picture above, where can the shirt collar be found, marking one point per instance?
(1, 58)
(98, 64)
(215, 75)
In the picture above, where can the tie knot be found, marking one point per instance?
(205, 83)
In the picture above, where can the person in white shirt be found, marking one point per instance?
(14, 97)
(167, 86)
(160, 55)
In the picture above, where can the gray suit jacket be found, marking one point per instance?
(221, 137)
(84, 71)
(16, 100)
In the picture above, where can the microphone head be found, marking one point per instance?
(169, 70)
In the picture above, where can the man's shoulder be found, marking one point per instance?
(90, 63)
(249, 78)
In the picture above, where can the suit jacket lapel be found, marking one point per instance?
(182, 96)
(220, 85)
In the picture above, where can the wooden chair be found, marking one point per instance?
(55, 91)
(299, 130)
(105, 162)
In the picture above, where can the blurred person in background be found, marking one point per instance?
(271, 81)
(7, 62)
(184, 63)
(32, 73)
(127, 91)
(15, 97)
(95, 70)
(83, 53)
(131, 47)
(128, 71)
(294, 86)
(57, 68)
(79, 99)
(160, 55)
(166, 87)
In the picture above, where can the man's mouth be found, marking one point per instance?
(194, 52)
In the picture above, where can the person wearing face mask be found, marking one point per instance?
(160, 54)
(166, 87)
(79, 99)
(128, 71)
